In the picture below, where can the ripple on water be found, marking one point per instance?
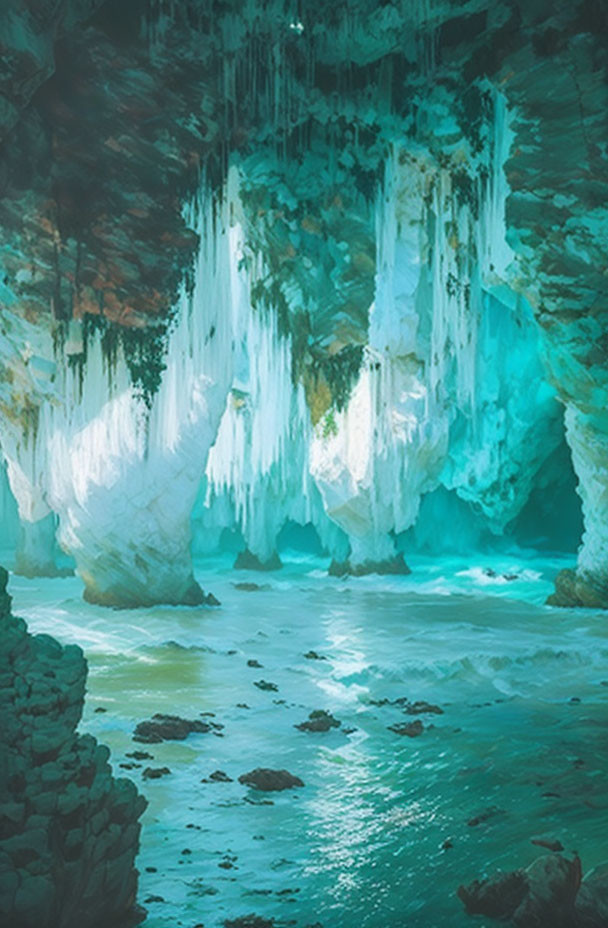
(520, 747)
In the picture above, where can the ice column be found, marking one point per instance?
(123, 478)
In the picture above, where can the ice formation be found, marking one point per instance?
(451, 393)
(123, 477)
(390, 304)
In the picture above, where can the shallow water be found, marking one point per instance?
(524, 691)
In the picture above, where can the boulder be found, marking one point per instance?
(270, 781)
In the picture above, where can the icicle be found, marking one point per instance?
(123, 478)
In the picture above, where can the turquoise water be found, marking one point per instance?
(524, 729)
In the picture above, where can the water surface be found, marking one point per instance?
(524, 732)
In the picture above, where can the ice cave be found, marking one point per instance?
(303, 463)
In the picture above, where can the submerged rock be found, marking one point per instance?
(251, 587)
(409, 729)
(247, 561)
(168, 728)
(155, 773)
(420, 707)
(266, 686)
(69, 830)
(218, 776)
(395, 565)
(319, 720)
(249, 921)
(485, 816)
(267, 780)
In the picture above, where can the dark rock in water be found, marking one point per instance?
(542, 896)
(140, 755)
(497, 897)
(247, 561)
(70, 830)
(339, 569)
(485, 816)
(319, 720)
(167, 728)
(394, 566)
(155, 773)
(123, 597)
(421, 708)
(510, 577)
(409, 729)
(251, 587)
(578, 589)
(265, 685)
(488, 572)
(547, 843)
(313, 656)
(100, 709)
(249, 921)
(253, 663)
(218, 776)
(400, 701)
(269, 780)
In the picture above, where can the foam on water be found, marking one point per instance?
(523, 729)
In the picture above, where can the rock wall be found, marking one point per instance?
(69, 830)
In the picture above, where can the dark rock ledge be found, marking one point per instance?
(550, 893)
(69, 831)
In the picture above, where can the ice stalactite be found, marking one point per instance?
(26, 352)
(588, 584)
(375, 458)
(35, 544)
(122, 477)
(9, 516)
(453, 392)
(257, 472)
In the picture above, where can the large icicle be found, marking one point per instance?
(123, 479)
(258, 467)
(453, 390)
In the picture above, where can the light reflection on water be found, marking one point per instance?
(361, 845)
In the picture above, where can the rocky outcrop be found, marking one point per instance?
(270, 781)
(246, 560)
(550, 893)
(69, 830)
